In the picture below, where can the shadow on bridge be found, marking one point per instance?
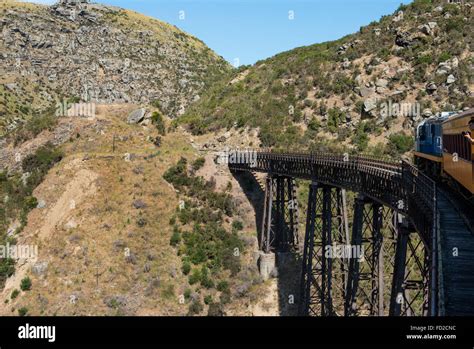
(288, 263)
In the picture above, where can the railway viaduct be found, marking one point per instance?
(395, 260)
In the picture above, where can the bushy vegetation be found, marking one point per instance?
(25, 284)
(400, 143)
(23, 311)
(208, 251)
(38, 122)
(198, 163)
(14, 294)
(159, 122)
(20, 200)
(202, 191)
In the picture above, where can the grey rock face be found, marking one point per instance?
(381, 83)
(428, 29)
(111, 61)
(403, 39)
(136, 116)
(39, 268)
(431, 87)
(41, 204)
(427, 113)
(366, 91)
(370, 104)
(451, 79)
(398, 17)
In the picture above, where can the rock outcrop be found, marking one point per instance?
(98, 53)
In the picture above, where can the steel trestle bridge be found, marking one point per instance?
(395, 222)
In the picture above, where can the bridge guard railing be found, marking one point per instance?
(421, 198)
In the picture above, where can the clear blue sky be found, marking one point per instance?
(245, 31)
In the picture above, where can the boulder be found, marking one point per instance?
(71, 224)
(370, 104)
(41, 204)
(431, 87)
(381, 83)
(428, 29)
(366, 91)
(398, 17)
(403, 39)
(136, 116)
(443, 68)
(451, 79)
(427, 113)
(39, 268)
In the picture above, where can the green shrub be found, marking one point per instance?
(237, 225)
(198, 163)
(187, 293)
(314, 124)
(400, 143)
(186, 268)
(30, 203)
(360, 140)
(175, 237)
(195, 276)
(23, 311)
(25, 284)
(14, 294)
(208, 300)
(335, 117)
(7, 268)
(42, 160)
(454, 24)
(158, 121)
(206, 281)
(421, 6)
(222, 286)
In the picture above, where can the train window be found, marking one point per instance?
(457, 144)
(422, 133)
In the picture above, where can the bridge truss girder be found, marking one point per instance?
(390, 278)
(280, 215)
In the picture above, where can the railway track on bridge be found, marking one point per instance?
(395, 221)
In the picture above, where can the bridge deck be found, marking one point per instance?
(458, 272)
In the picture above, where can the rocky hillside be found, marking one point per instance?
(99, 53)
(342, 94)
(120, 229)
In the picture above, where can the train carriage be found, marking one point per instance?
(458, 151)
(443, 150)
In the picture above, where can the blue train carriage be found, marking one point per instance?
(429, 145)
(458, 152)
